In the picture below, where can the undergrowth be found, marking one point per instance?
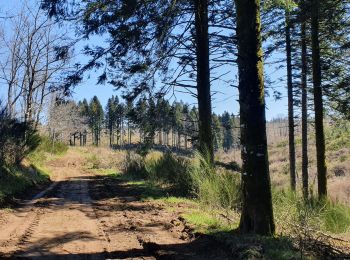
(17, 178)
(292, 213)
(338, 135)
(45, 149)
(190, 177)
(219, 189)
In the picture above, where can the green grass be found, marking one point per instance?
(207, 222)
(15, 180)
(326, 216)
(282, 144)
(46, 151)
(109, 171)
(178, 200)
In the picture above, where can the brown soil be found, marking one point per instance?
(87, 216)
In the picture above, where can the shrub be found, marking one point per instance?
(292, 212)
(338, 135)
(134, 166)
(215, 188)
(38, 155)
(172, 170)
(162, 169)
(48, 146)
(17, 140)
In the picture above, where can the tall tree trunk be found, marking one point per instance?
(110, 137)
(160, 137)
(203, 79)
(172, 137)
(304, 130)
(128, 132)
(257, 212)
(290, 103)
(29, 105)
(318, 101)
(10, 104)
(121, 131)
(40, 108)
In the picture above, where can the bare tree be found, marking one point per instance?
(36, 54)
(65, 120)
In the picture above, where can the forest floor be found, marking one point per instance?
(86, 215)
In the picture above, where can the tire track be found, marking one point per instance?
(23, 231)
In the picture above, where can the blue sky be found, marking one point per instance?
(226, 100)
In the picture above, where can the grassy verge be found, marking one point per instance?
(17, 179)
(30, 174)
(208, 199)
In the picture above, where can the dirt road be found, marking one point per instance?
(87, 216)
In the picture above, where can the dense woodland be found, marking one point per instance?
(150, 50)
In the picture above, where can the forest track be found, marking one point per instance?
(90, 216)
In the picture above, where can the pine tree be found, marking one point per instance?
(318, 101)
(304, 102)
(217, 132)
(96, 117)
(110, 120)
(257, 213)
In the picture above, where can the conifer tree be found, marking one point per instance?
(257, 212)
(96, 118)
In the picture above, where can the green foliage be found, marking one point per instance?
(134, 166)
(206, 223)
(172, 170)
(161, 168)
(187, 177)
(288, 5)
(293, 212)
(39, 155)
(17, 140)
(96, 117)
(46, 145)
(14, 180)
(338, 135)
(217, 132)
(336, 217)
(228, 124)
(215, 188)
(282, 144)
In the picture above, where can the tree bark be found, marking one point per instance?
(10, 105)
(110, 137)
(304, 131)
(203, 79)
(318, 101)
(257, 212)
(290, 103)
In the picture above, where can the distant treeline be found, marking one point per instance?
(148, 121)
